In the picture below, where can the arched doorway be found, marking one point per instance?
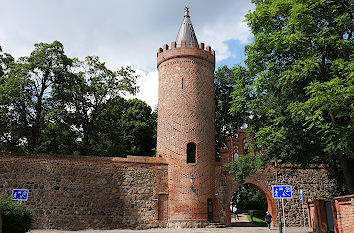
(271, 205)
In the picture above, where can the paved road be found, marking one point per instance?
(238, 226)
(198, 230)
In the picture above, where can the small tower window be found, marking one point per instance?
(191, 149)
(182, 83)
(235, 157)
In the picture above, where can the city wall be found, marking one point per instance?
(72, 193)
(78, 192)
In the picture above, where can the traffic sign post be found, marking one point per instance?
(282, 204)
(282, 192)
(20, 194)
(303, 209)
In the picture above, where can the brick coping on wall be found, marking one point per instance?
(129, 159)
(344, 197)
(136, 159)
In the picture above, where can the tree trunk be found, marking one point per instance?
(347, 165)
(34, 138)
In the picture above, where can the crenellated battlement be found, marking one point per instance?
(203, 52)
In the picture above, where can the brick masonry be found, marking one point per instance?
(343, 214)
(186, 115)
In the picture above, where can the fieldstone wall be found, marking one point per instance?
(68, 192)
(314, 181)
(316, 185)
(75, 193)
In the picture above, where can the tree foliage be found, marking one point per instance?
(55, 104)
(25, 91)
(249, 197)
(226, 124)
(16, 217)
(299, 84)
(125, 127)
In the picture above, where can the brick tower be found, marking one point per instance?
(185, 131)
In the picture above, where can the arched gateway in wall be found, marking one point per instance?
(260, 185)
(225, 186)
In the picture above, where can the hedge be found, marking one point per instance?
(16, 218)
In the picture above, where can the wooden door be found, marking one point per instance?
(163, 206)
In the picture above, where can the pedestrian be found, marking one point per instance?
(234, 210)
(251, 214)
(268, 219)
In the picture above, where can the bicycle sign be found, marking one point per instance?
(20, 194)
(281, 191)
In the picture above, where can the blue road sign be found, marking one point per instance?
(281, 191)
(20, 194)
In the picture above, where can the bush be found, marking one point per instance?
(16, 218)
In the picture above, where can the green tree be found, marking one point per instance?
(300, 70)
(51, 103)
(124, 127)
(226, 124)
(249, 197)
(25, 91)
(85, 96)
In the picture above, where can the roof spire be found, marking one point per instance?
(186, 11)
(186, 31)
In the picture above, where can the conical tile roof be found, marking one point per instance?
(186, 31)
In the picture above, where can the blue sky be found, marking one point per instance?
(237, 51)
(124, 32)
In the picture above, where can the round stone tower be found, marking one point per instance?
(185, 130)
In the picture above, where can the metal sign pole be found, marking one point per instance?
(303, 209)
(303, 213)
(279, 218)
(282, 203)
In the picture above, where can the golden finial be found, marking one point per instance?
(186, 11)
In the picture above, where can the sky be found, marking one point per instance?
(124, 32)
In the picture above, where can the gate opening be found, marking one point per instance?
(248, 205)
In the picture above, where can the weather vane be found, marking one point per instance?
(186, 10)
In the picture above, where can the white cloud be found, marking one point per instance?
(148, 84)
(224, 30)
(120, 32)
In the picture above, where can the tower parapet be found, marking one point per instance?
(202, 52)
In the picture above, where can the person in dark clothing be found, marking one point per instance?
(268, 219)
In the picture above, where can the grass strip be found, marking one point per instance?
(259, 222)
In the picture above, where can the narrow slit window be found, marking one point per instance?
(191, 151)
(182, 83)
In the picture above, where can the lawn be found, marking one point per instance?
(257, 221)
